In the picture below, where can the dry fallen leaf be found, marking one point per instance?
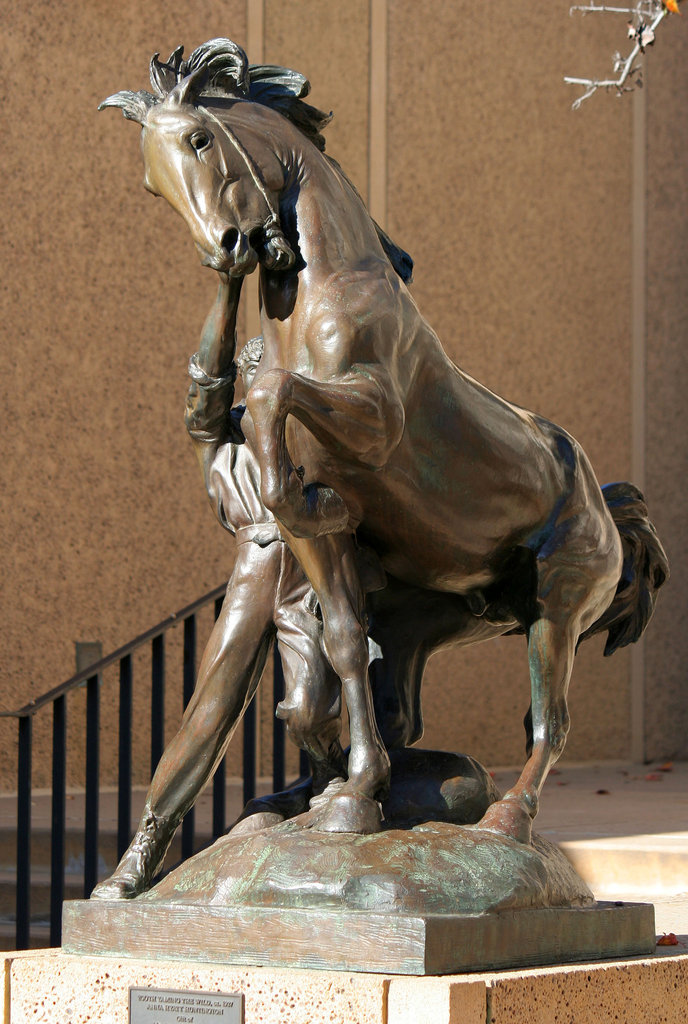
(602, 792)
(668, 766)
(667, 939)
(653, 777)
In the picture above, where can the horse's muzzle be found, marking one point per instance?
(243, 249)
(238, 252)
(226, 263)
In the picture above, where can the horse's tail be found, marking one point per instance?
(645, 569)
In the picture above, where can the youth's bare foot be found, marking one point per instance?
(263, 811)
(255, 822)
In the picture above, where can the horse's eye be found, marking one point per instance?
(199, 140)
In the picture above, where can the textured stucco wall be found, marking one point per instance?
(518, 214)
(666, 646)
(106, 524)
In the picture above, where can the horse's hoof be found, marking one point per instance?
(348, 812)
(255, 822)
(508, 818)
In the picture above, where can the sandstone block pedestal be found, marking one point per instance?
(52, 987)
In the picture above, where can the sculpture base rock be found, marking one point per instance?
(435, 899)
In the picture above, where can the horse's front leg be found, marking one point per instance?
(330, 564)
(357, 416)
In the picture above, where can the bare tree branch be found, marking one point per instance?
(646, 15)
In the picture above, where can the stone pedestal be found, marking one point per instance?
(51, 987)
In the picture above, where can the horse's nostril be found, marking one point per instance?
(255, 238)
(230, 239)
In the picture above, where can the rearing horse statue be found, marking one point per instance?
(364, 424)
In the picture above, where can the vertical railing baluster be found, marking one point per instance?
(157, 700)
(59, 799)
(277, 723)
(124, 765)
(250, 752)
(23, 894)
(189, 679)
(220, 777)
(219, 789)
(92, 784)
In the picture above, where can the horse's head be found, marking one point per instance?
(197, 161)
(229, 201)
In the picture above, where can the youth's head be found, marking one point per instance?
(248, 359)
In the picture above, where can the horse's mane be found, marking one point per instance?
(221, 68)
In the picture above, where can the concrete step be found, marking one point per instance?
(39, 938)
(73, 877)
(74, 824)
(74, 849)
(41, 848)
(623, 827)
(40, 894)
(652, 863)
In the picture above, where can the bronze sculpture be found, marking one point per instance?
(422, 510)
(358, 411)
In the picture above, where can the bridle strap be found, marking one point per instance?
(250, 164)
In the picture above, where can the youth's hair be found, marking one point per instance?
(252, 352)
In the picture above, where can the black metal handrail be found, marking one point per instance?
(91, 678)
(97, 667)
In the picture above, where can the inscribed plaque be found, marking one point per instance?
(167, 1006)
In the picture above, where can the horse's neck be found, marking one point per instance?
(335, 231)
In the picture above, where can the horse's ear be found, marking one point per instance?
(164, 76)
(190, 88)
(134, 105)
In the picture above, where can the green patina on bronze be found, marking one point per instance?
(436, 868)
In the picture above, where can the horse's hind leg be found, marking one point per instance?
(572, 593)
